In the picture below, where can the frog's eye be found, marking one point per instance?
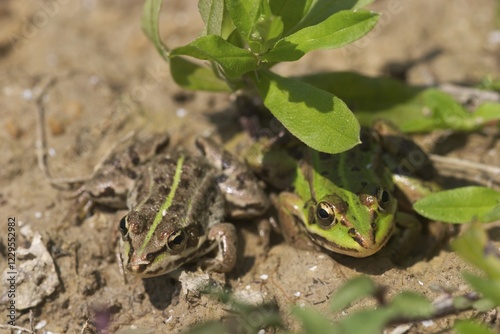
(383, 197)
(325, 214)
(177, 241)
(123, 227)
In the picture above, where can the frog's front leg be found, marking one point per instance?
(244, 196)
(291, 216)
(405, 236)
(224, 234)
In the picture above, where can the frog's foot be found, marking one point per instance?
(245, 198)
(438, 234)
(405, 237)
(224, 234)
(414, 237)
(83, 207)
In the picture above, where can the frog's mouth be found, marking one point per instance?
(163, 262)
(360, 246)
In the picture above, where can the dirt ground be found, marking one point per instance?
(105, 79)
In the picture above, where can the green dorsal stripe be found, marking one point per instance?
(168, 202)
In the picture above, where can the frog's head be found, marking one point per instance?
(353, 224)
(157, 251)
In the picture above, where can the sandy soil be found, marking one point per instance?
(105, 79)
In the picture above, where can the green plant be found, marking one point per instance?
(405, 307)
(243, 40)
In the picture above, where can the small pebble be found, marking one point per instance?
(427, 323)
(28, 94)
(41, 324)
(181, 112)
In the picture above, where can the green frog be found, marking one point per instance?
(353, 202)
(177, 202)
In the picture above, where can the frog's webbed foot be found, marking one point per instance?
(245, 198)
(224, 234)
(414, 237)
(405, 237)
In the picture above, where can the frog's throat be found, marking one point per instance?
(166, 204)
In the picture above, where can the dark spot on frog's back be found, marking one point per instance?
(134, 157)
(226, 160)
(163, 144)
(355, 169)
(150, 202)
(221, 178)
(365, 144)
(167, 161)
(163, 189)
(198, 172)
(131, 174)
(108, 192)
(176, 207)
(159, 179)
(184, 183)
(135, 222)
(324, 156)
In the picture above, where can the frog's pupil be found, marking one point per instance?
(384, 197)
(322, 213)
(123, 226)
(177, 240)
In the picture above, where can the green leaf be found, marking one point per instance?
(470, 327)
(446, 113)
(411, 305)
(196, 77)
(338, 30)
(212, 13)
(472, 247)
(487, 287)
(351, 291)
(413, 109)
(290, 11)
(320, 10)
(316, 117)
(365, 321)
(493, 215)
(313, 322)
(371, 98)
(244, 14)
(461, 205)
(268, 30)
(234, 61)
(487, 112)
(150, 25)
